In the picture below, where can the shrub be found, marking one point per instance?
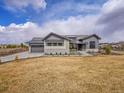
(56, 53)
(22, 45)
(60, 53)
(11, 46)
(107, 50)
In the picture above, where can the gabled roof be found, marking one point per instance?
(60, 36)
(75, 37)
(83, 37)
(93, 35)
(72, 38)
(36, 40)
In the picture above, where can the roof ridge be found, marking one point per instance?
(37, 37)
(56, 35)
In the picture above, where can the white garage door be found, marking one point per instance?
(37, 48)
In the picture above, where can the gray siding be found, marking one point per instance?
(52, 37)
(48, 46)
(87, 41)
(56, 49)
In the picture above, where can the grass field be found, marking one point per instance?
(100, 74)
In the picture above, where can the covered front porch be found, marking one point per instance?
(81, 47)
(77, 47)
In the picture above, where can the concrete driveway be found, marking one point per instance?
(24, 55)
(21, 55)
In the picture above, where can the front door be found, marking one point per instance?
(79, 47)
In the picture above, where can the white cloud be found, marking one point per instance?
(16, 33)
(112, 5)
(87, 8)
(24, 32)
(111, 18)
(108, 24)
(15, 5)
(60, 10)
(73, 25)
(2, 28)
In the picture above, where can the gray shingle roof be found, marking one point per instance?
(36, 40)
(77, 37)
(60, 36)
(72, 38)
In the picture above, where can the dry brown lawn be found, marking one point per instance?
(9, 51)
(100, 74)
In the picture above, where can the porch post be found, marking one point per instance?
(77, 47)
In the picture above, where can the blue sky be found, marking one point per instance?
(7, 17)
(19, 18)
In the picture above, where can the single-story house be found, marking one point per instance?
(64, 44)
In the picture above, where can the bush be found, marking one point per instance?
(60, 53)
(11, 46)
(22, 45)
(107, 50)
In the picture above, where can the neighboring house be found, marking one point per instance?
(115, 45)
(103, 45)
(64, 44)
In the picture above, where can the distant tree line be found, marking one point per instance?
(13, 46)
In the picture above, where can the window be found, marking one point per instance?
(54, 44)
(92, 44)
(60, 44)
(36, 45)
(80, 40)
(49, 44)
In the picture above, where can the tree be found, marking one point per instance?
(22, 45)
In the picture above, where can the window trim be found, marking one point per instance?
(49, 44)
(55, 44)
(92, 44)
(60, 44)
